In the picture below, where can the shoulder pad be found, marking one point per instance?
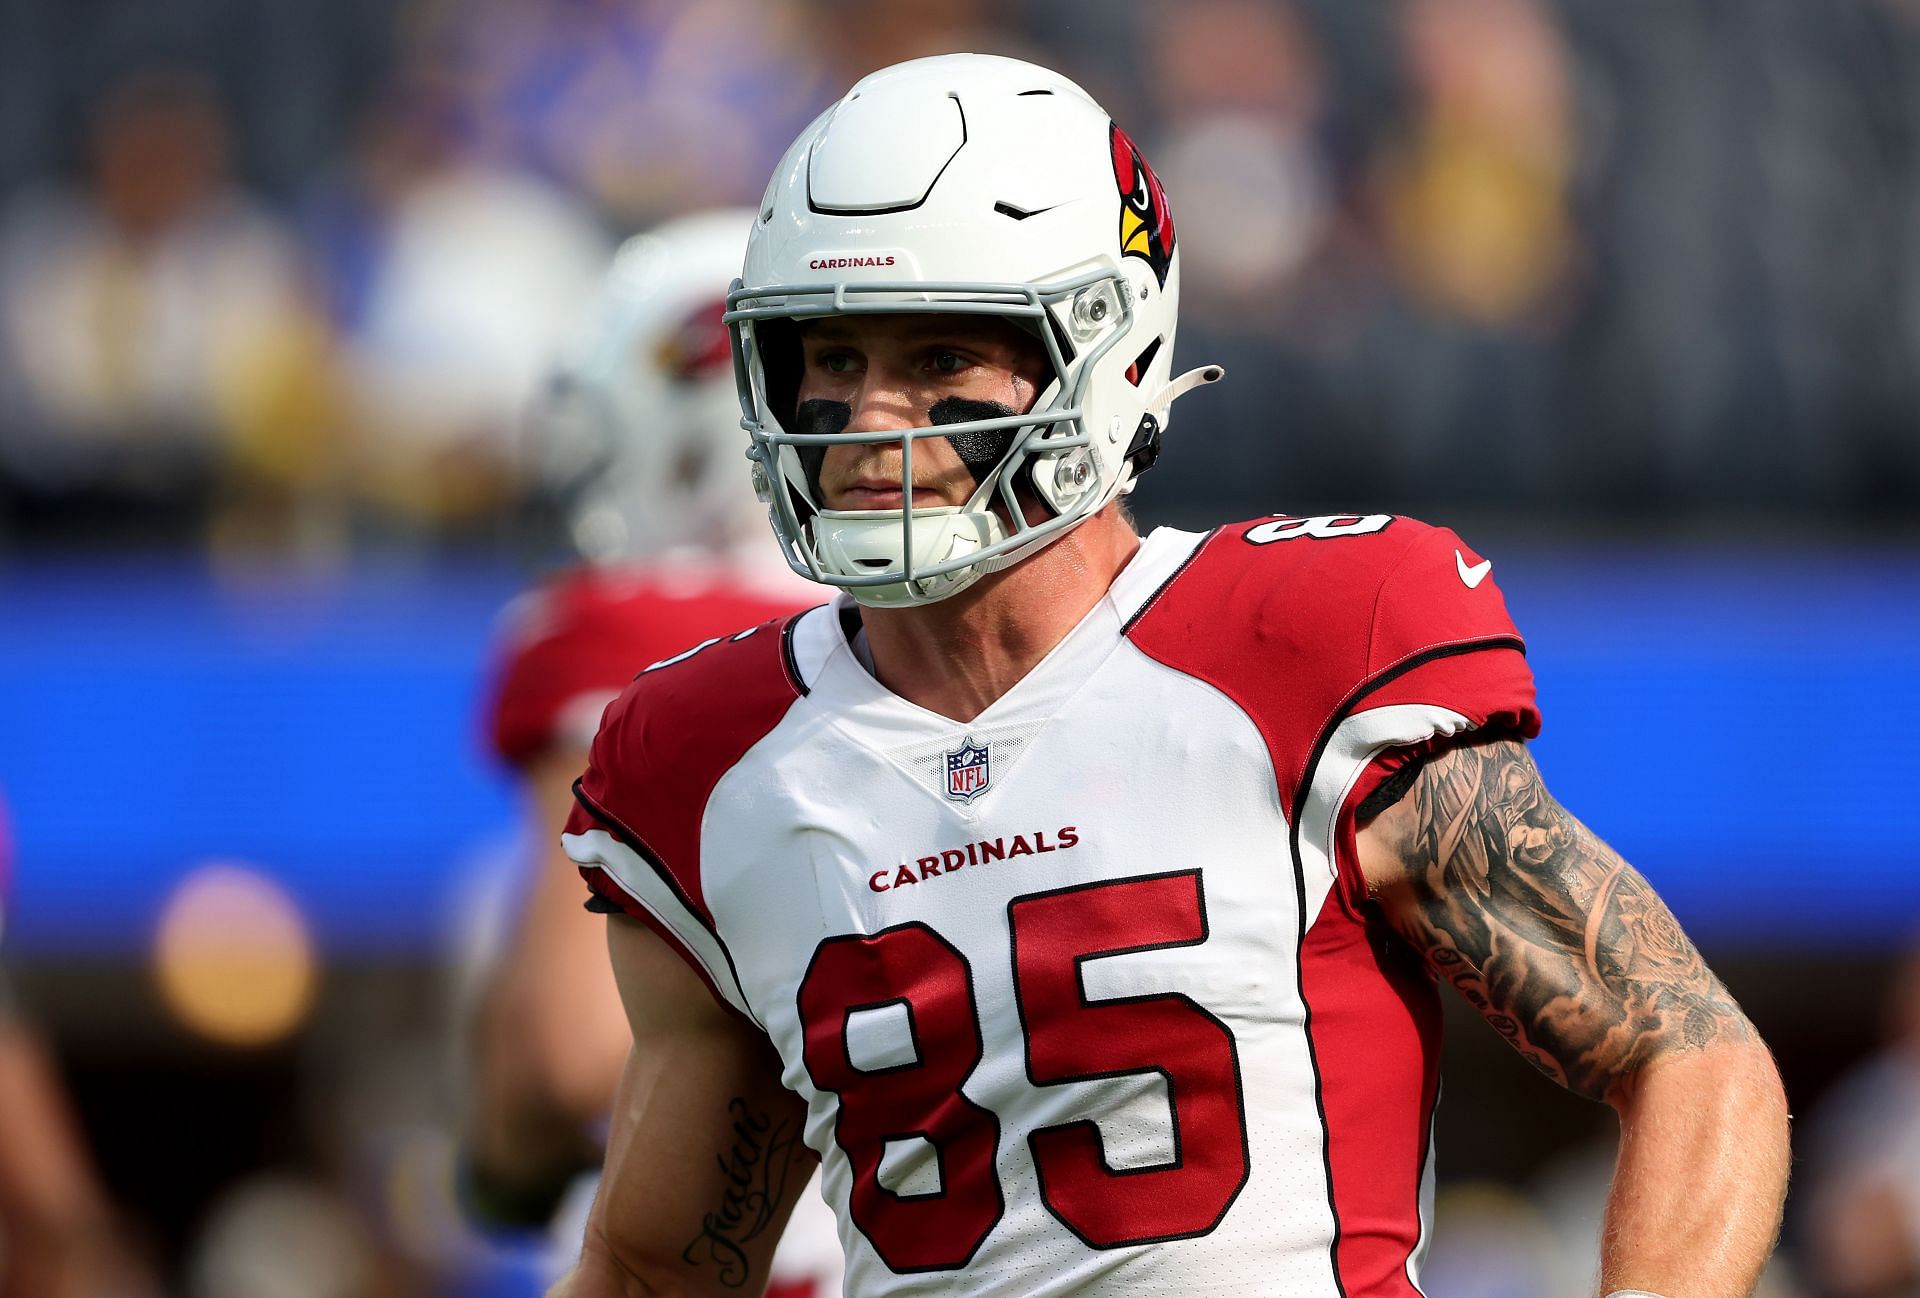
(664, 744)
(1298, 619)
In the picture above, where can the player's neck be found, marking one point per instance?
(959, 655)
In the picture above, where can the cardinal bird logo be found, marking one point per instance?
(699, 348)
(1146, 222)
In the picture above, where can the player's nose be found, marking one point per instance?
(887, 401)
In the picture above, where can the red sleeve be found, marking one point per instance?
(1442, 636)
(571, 648)
(663, 746)
(1303, 630)
(1305, 627)
(563, 657)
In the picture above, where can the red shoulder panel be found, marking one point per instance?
(1297, 620)
(575, 644)
(667, 740)
(1439, 592)
(1426, 610)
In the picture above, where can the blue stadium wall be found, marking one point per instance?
(1741, 722)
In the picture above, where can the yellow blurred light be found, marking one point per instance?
(233, 957)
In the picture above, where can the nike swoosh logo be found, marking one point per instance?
(1475, 575)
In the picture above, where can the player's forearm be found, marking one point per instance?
(46, 1186)
(564, 1016)
(60, 1234)
(549, 1037)
(520, 1087)
(565, 1010)
(597, 1275)
(615, 1266)
(1702, 1174)
(521, 1149)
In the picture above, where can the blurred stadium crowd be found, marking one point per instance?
(283, 275)
(281, 279)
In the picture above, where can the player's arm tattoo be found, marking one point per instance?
(763, 1155)
(1557, 941)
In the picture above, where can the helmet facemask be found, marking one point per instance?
(919, 555)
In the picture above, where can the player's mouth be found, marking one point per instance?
(876, 493)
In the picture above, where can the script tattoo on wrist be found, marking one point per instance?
(1558, 942)
(757, 1167)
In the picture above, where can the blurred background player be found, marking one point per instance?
(643, 479)
(58, 1235)
(1862, 1210)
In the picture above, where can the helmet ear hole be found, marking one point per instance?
(1142, 363)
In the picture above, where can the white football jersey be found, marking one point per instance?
(1085, 995)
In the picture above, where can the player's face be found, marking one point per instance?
(891, 372)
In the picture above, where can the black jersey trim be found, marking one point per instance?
(1373, 684)
(620, 831)
(1172, 577)
(647, 854)
(788, 662)
(639, 847)
(1390, 791)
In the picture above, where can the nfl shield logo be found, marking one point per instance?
(967, 771)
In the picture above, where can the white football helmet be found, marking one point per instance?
(636, 441)
(971, 184)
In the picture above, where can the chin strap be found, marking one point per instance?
(1186, 383)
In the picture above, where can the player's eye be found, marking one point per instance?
(949, 362)
(835, 362)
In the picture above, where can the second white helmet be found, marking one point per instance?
(636, 441)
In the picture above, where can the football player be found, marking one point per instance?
(639, 457)
(1080, 898)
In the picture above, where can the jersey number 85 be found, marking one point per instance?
(1068, 1038)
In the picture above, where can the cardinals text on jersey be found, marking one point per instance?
(1122, 1021)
